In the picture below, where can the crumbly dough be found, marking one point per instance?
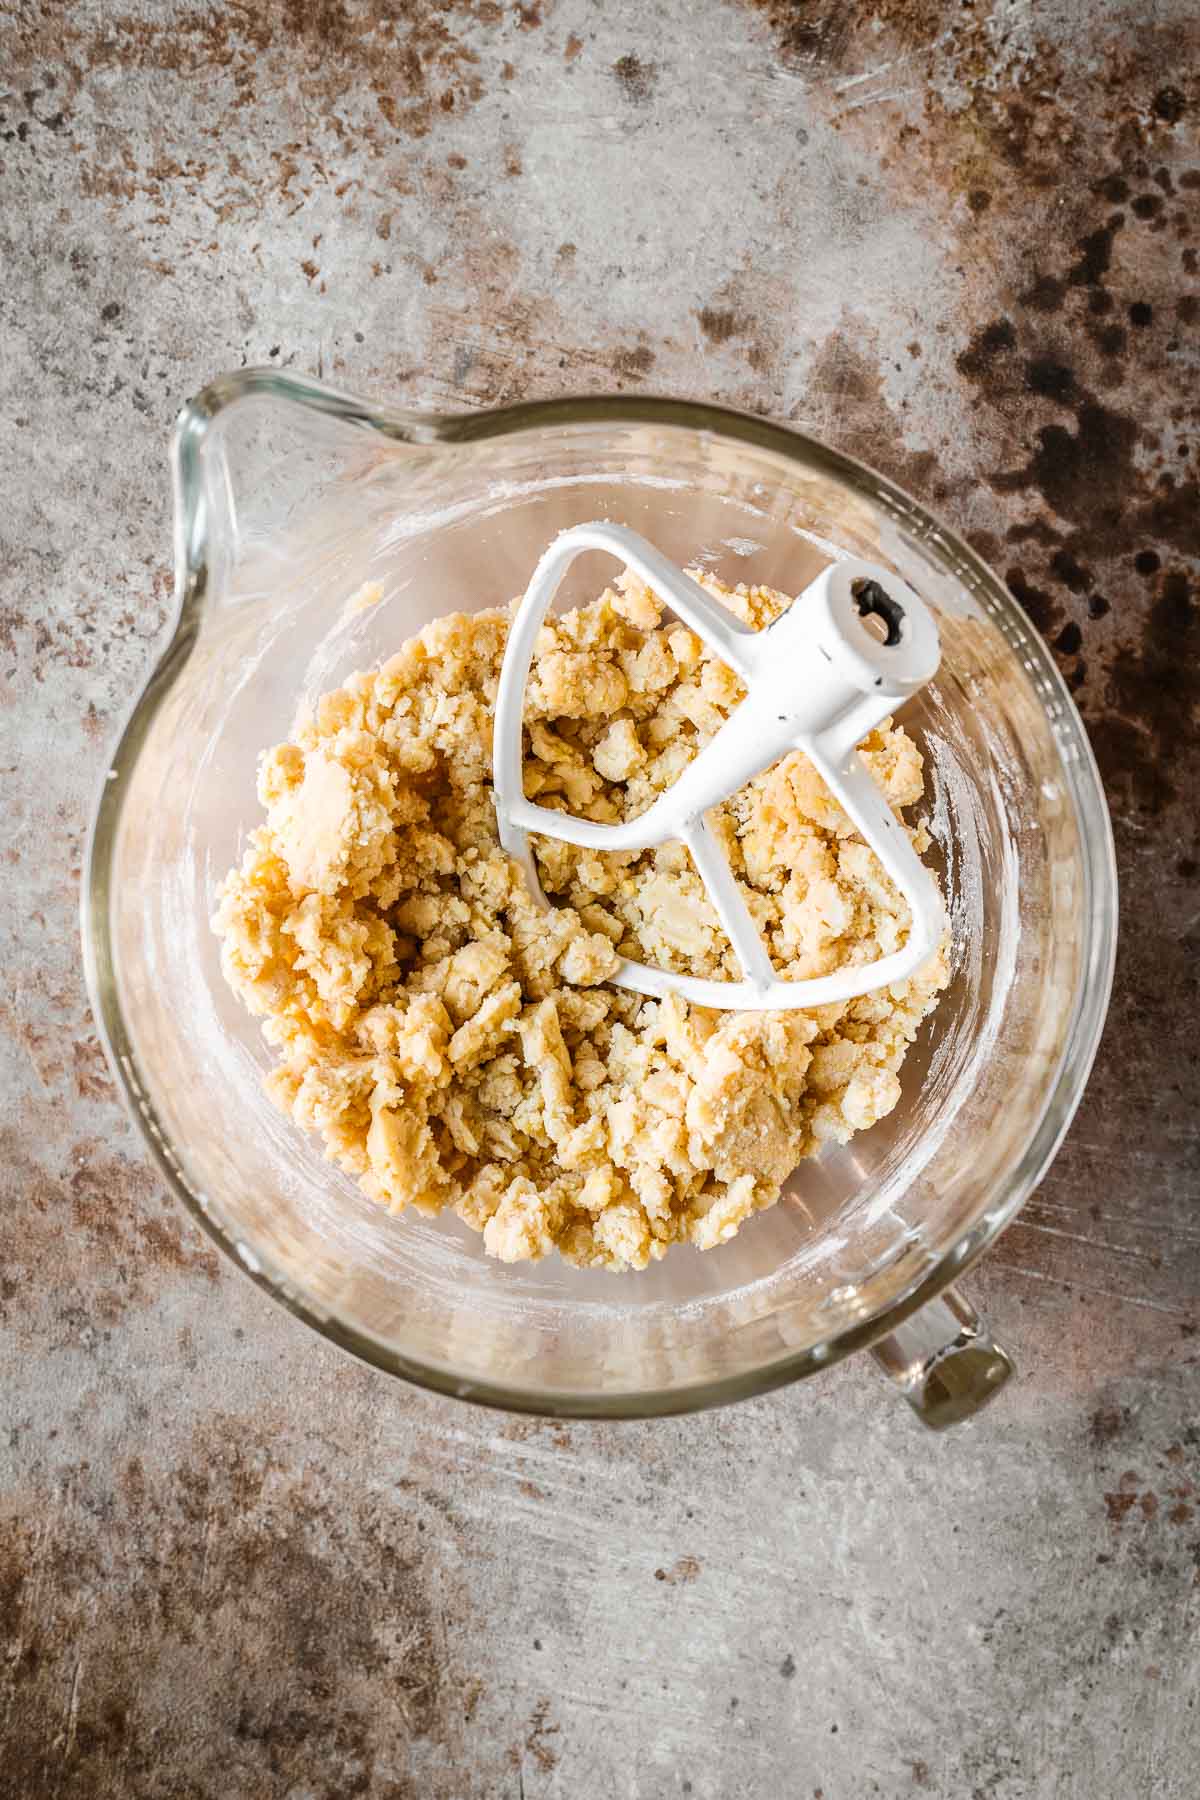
(457, 1047)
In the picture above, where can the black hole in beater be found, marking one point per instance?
(873, 602)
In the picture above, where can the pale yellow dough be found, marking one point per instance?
(457, 1047)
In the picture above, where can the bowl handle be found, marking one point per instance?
(944, 1361)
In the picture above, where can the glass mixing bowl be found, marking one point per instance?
(289, 497)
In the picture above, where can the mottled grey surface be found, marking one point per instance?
(961, 242)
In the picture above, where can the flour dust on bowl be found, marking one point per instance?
(291, 499)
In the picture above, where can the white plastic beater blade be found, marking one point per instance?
(851, 648)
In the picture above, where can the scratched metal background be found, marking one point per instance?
(959, 240)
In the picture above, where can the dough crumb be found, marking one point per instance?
(456, 1047)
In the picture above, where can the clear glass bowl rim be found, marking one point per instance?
(415, 428)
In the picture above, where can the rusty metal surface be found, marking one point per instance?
(960, 241)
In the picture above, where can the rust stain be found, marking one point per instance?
(806, 34)
(519, 1430)
(636, 79)
(1107, 1423)
(1086, 430)
(684, 1569)
(847, 371)
(633, 364)
(228, 1525)
(719, 324)
(409, 61)
(536, 1743)
(108, 1210)
(1119, 1505)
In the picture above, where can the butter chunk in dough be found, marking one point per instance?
(458, 1048)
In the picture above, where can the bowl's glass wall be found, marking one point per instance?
(299, 515)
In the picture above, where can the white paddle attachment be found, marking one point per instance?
(849, 650)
